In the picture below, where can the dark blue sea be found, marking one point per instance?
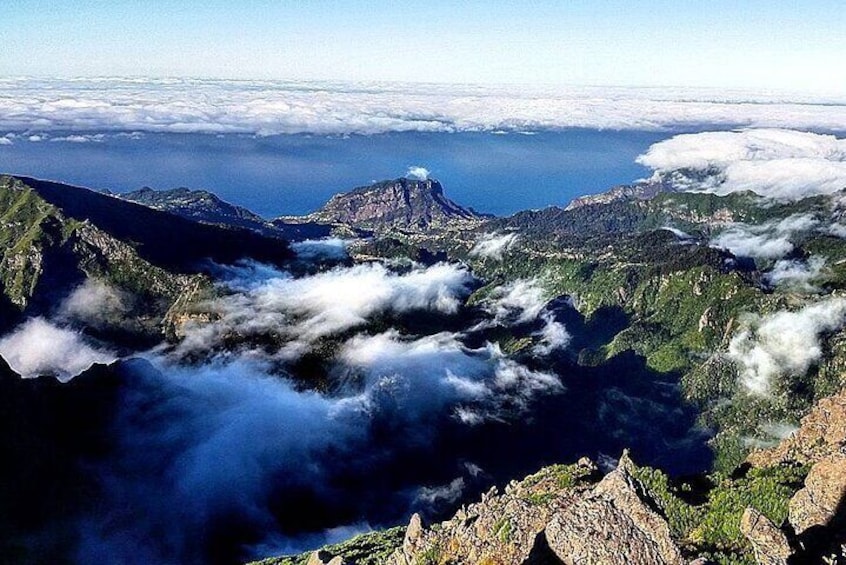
(295, 174)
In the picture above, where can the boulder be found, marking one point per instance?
(817, 502)
(768, 542)
(613, 524)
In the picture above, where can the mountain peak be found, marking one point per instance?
(404, 203)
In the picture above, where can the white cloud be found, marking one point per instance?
(96, 303)
(6, 141)
(493, 245)
(299, 311)
(837, 230)
(520, 302)
(416, 172)
(771, 240)
(784, 343)
(517, 302)
(330, 248)
(439, 367)
(444, 494)
(795, 274)
(553, 336)
(81, 138)
(38, 347)
(775, 163)
(277, 107)
(677, 232)
(743, 243)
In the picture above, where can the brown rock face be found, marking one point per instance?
(613, 525)
(816, 512)
(407, 204)
(817, 503)
(501, 529)
(317, 558)
(768, 542)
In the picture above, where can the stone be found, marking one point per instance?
(613, 525)
(817, 502)
(768, 542)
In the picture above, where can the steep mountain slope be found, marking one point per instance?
(405, 204)
(161, 238)
(56, 237)
(664, 301)
(662, 269)
(639, 191)
(46, 255)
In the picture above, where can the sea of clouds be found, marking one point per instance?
(74, 109)
(779, 164)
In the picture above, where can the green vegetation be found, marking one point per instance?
(434, 555)
(372, 548)
(38, 242)
(712, 527)
(560, 476)
(768, 490)
(681, 516)
(504, 529)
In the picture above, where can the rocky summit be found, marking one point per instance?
(782, 507)
(406, 204)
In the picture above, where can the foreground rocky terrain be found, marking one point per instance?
(784, 505)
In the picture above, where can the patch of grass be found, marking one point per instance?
(681, 516)
(504, 529)
(767, 490)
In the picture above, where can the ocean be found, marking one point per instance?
(498, 173)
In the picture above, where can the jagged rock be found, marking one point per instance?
(613, 524)
(817, 503)
(503, 528)
(769, 543)
(413, 534)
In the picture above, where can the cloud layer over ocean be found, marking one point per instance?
(775, 163)
(279, 107)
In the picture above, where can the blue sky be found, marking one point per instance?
(752, 44)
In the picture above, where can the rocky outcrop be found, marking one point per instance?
(768, 542)
(406, 204)
(502, 528)
(817, 503)
(613, 524)
(318, 557)
(816, 512)
(640, 191)
(551, 517)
